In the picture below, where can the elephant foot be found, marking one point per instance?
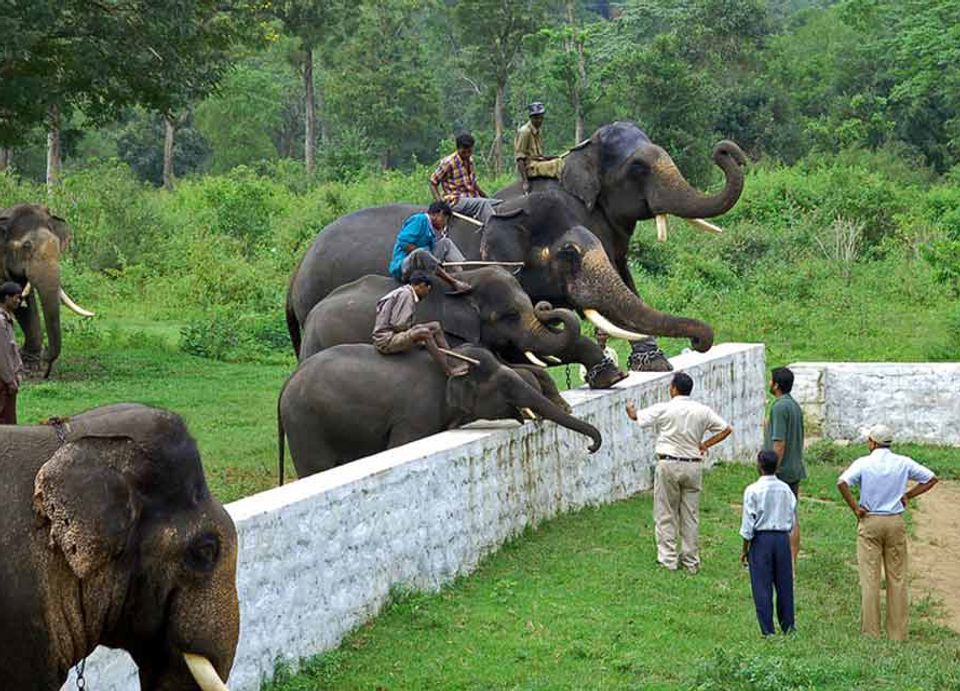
(604, 374)
(33, 365)
(646, 356)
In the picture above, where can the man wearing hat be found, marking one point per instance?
(881, 535)
(528, 150)
(11, 366)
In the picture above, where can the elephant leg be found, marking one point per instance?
(545, 383)
(601, 372)
(29, 319)
(645, 355)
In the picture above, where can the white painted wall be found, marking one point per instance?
(318, 557)
(842, 400)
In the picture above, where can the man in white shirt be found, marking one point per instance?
(881, 535)
(680, 448)
(768, 514)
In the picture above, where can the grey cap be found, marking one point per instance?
(536, 108)
(881, 434)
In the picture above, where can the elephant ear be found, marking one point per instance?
(457, 314)
(581, 172)
(505, 237)
(61, 230)
(5, 222)
(90, 506)
(462, 396)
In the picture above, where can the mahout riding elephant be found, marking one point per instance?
(610, 182)
(350, 401)
(31, 240)
(497, 314)
(110, 537)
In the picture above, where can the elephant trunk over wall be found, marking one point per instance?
(674, 195)
(597, 286)
(526, 397)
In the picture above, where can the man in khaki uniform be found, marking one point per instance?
(11, 366)
(881, 533)
(680, 447)
(528, 150)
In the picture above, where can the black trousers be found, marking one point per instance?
(771, 568)
(8, 406)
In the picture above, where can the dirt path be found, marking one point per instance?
(935, 550)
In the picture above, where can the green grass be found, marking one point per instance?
(580, 603)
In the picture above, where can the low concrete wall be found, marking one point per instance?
(319, 557)
(919, 401)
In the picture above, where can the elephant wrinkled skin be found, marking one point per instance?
(111, 537)
(350, 401)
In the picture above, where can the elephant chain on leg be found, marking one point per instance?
(602, 368)
(646, 356)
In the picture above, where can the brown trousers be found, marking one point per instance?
(8, 406)
(882, 538)
(676, 509)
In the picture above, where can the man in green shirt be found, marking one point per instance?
(528, 150)
(785, 438)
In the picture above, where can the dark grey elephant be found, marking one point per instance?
(610, 182)
(111, 537)
(31, 240)
(350, 401)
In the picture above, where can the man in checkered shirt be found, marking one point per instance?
(455, 182)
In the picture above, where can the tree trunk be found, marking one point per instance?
(168, 131)
(6, 158)
(324, 125)
(53, 149)
(498, 127)
(580, 78)
(310, 115)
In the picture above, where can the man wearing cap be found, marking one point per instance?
(455, 182)
(11, 366)
(881, 535)
(680, 447)
(528, 150)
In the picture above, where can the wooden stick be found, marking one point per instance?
(468, 219)
(483, 263)
(459, 356)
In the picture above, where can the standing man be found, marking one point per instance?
(455, 182)
(395, 332)
(881, 535)
(423, 245)
(785, 438)
(11, 366)
(768, 510)
(680, 424)
(528, 150)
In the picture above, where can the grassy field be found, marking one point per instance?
(580, 603)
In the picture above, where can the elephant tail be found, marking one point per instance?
(293, 326)
(281, 438)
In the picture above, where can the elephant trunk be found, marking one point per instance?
(546, 340)
(526, 397)
(597, 288)
(674, 195)
(46, 285)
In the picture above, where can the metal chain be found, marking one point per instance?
(59, 425)
(595, 371)
(639, 358)
(81, 681)
(567, 371)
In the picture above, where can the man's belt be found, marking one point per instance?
(665, 457)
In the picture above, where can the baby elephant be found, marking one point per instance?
(349, 401)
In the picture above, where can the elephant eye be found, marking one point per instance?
(203, 553)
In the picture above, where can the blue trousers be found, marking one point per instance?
(771, 567)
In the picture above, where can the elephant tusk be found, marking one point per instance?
(661, 227)
(529, 414)
(553, 359)
(700, 224)
(66, 300)
(604, 324)
(534, 359)
(27, 289)
(203, 673)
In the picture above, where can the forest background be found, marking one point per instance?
(278, 116)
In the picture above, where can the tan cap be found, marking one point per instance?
(881, 434)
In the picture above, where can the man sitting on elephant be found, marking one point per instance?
(423, 245)
(528, 150)
(455, 182)
(395, 332)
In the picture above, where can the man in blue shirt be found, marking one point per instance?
(881, 534)
(423, 245)
(768, 514)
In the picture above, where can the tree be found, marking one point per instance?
(491, 34)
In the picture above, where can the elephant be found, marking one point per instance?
(609, 182)
(31, 241)
(350, 401)
(111, 537)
